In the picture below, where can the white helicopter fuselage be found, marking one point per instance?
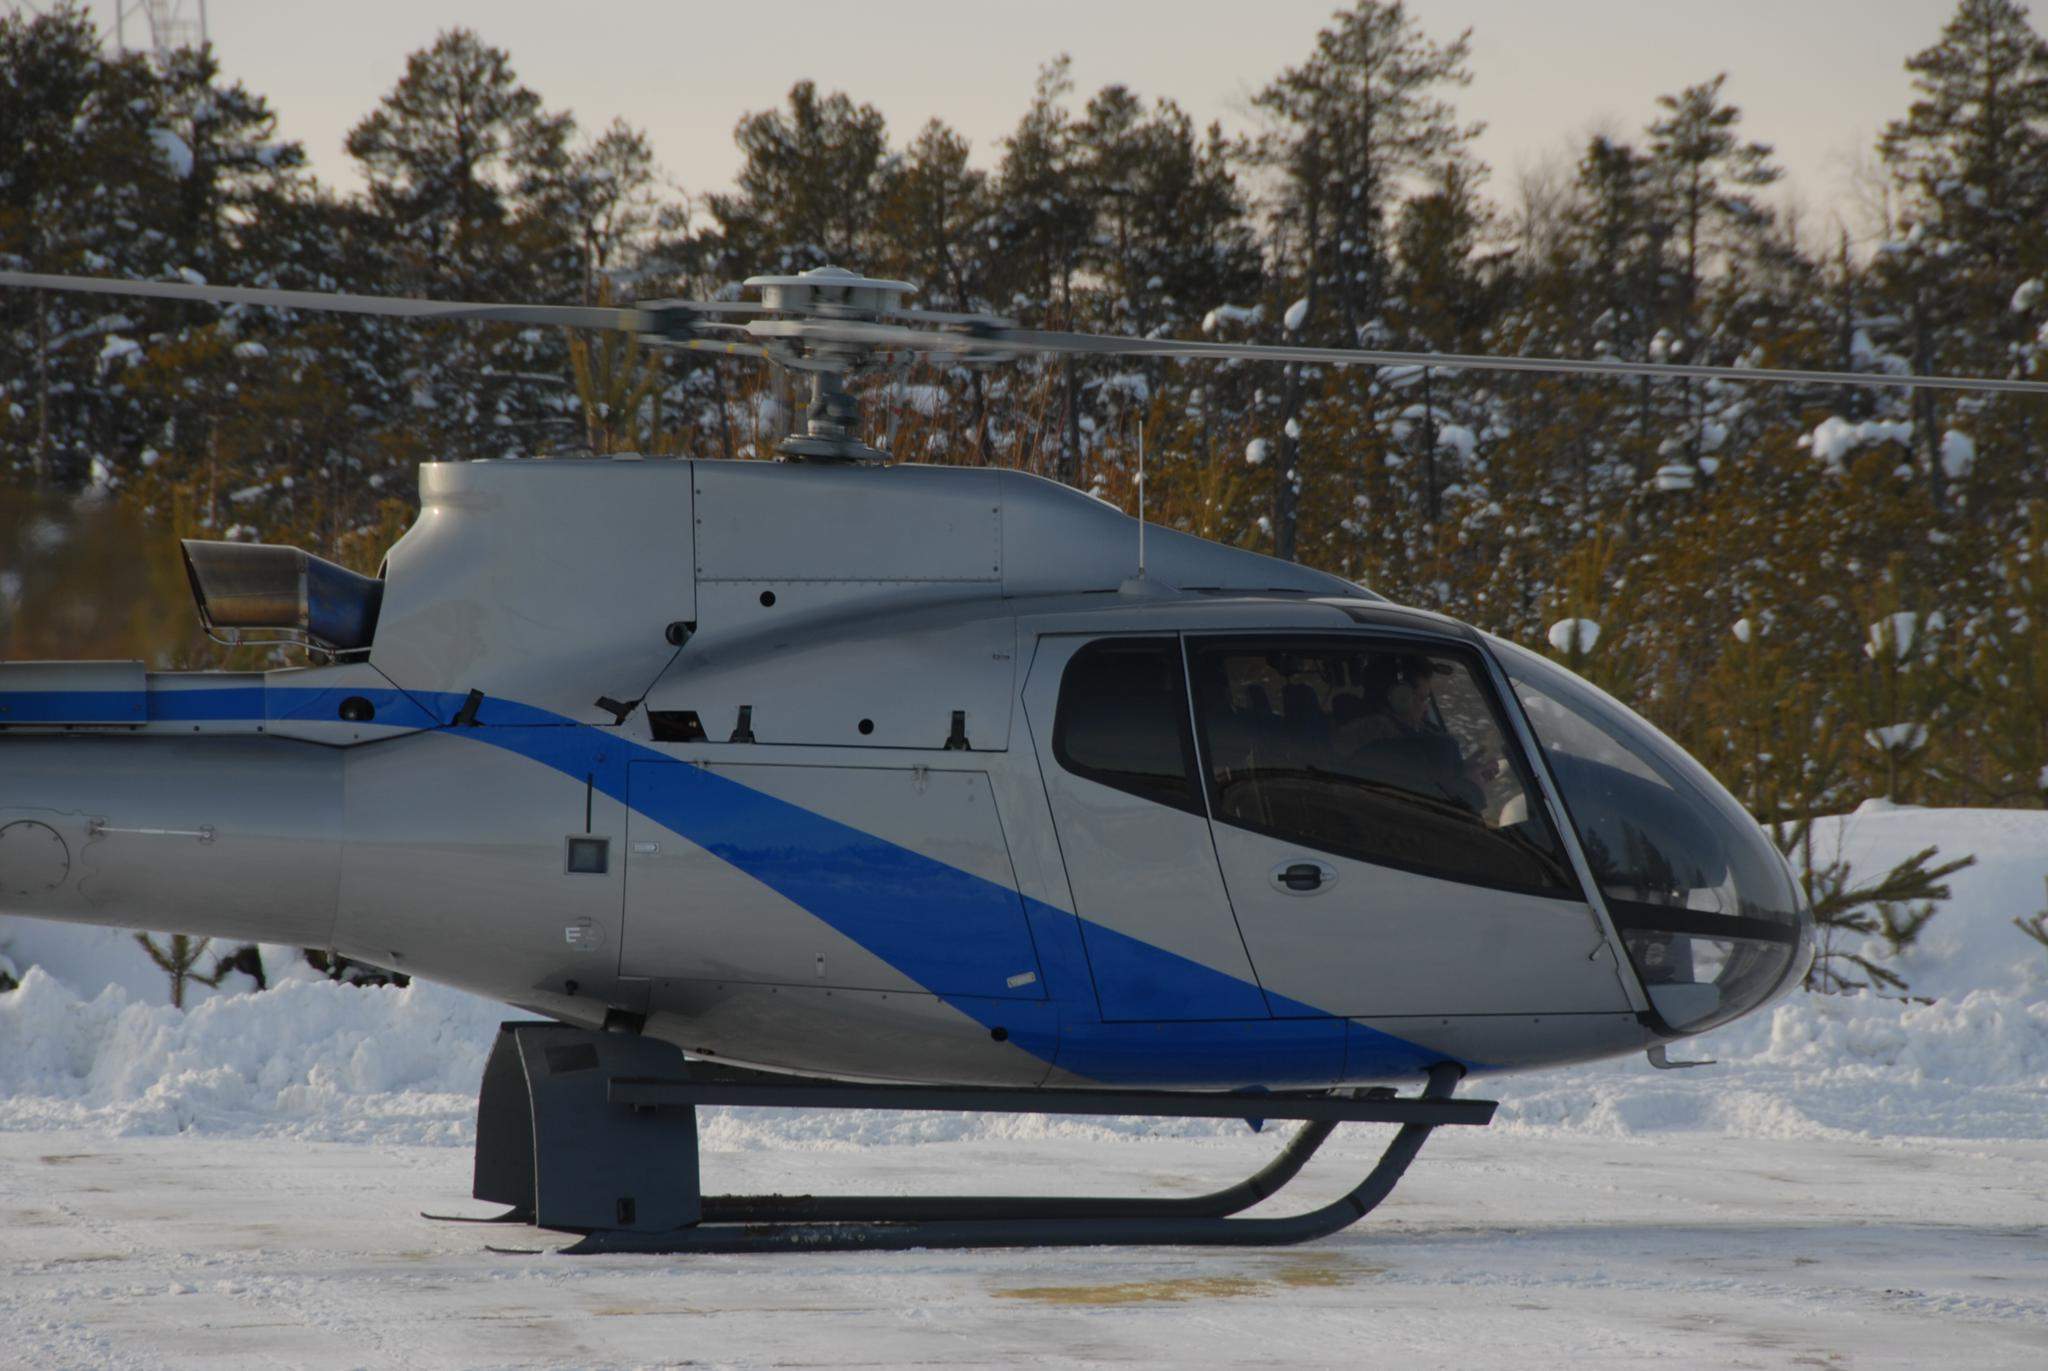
(906, 773)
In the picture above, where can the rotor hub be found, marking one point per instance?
(831, 291)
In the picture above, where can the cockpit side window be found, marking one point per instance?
(1122, 720)
(1386, 751)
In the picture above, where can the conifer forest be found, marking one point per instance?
(1828, 594)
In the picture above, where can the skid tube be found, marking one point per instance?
(595, 1134)
(1117, 1228)
(1262, 1183)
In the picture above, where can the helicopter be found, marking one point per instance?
(838, 781)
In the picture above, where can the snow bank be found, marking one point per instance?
(1971, 943)
(1821, 1066)
(324, 1062)
(1966, 1058)
(309, 1059)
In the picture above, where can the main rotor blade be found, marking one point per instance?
(392, 306)
(1033, 340)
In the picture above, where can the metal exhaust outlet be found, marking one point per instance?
(265, 587)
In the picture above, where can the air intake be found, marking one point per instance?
(265, 588)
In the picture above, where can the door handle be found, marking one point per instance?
(1303, 877)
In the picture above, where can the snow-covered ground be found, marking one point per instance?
(1861, 1181)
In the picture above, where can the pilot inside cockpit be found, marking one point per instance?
(1374, 750)
(1393, 732)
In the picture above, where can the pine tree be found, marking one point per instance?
(464, 167)
(1044, 227)
(238, 168)
(1703, 171)
(1974, 146)
(1893, 908)
(87, 187)
(1354, 119)
(607, 191)
(933, 229)
(1971, 155)
(446, 151)
(177, 957)
(810, 182)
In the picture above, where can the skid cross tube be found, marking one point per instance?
(1050, 1230)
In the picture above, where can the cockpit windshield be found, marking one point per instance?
(1711, 916)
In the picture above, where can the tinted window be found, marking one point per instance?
(1123, 720)
(1384, 752)
(1706, 906)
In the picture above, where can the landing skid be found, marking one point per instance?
(595, 1134)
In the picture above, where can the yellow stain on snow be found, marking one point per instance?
(1295, 1273)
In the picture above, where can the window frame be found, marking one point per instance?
(1195, 801)
(1474, 660)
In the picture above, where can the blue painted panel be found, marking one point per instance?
(217, 704)
(1373, 1055)
(390, 708)
(1209, 1054)
(1139, 982)
(73, 706)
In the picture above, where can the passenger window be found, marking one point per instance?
(1384, 752)
(1123, 720)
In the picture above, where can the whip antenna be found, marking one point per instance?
(1141, 499)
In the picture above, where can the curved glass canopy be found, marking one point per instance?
(1712, 918)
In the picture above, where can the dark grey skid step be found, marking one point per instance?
(509, 1216)
(595, 1134)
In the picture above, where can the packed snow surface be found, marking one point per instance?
(1860, 1181)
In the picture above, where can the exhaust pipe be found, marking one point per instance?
(269, 588)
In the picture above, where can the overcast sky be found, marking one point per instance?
(1817, 78)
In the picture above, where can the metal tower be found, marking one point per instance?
(167, 24)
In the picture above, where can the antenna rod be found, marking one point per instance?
(1141, 499)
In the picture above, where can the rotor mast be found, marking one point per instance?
(831, 431)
